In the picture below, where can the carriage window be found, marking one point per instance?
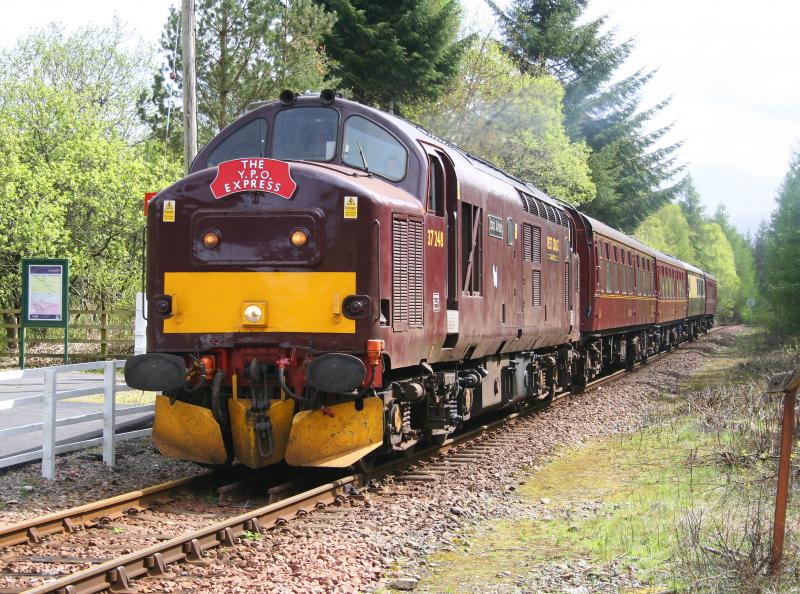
(383, 152)
(305, 134)
(247, 141)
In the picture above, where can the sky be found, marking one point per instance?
(730, 68)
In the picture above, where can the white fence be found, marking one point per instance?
(49, 398)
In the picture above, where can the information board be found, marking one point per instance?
(45, 296)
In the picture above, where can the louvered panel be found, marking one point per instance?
(536, 239)
(415, 274)
(551, 213)
(407, 274)
(566, 286)
(539, 208)
(527, 242)
(399, 272)
(526, 202)
(536, 288)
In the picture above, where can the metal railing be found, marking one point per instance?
(49, 398)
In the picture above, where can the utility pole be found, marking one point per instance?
(189, 84)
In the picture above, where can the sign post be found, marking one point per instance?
(786, 384)
(45, 299)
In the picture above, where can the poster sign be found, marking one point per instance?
(44, 293)
(253, 175)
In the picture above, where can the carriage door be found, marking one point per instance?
(435, 239)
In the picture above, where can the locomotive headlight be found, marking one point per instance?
(211, 239)
(299, 237)
(253, 314)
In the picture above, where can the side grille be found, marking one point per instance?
(536, 254)
(566, 286)
(536, 288)
(531, 243)
(526, 242)
(407, 273)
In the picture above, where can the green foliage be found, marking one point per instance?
(394, 54)
(513, 120)
(71, 185)
(247, 51)
(782, 254)
(631, 167)
(715, 255)
(668, 231)
(705, 245)
(745, 265)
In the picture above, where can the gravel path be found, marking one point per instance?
(382, 538)
(82, 475)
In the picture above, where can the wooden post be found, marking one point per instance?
(189, 84)
(786, 383)
(103, 334)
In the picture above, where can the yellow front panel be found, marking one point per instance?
(208, 302)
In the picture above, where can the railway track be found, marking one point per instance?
(281, 499)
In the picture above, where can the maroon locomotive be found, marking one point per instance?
(330, 282)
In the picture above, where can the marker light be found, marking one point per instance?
(211, 239)
(299, 238)
(253, 314)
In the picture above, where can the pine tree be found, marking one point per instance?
(393, 53)
(247, 51)
(631, 167)
(783, 254)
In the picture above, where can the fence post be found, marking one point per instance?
(109, 410)
(104, 334)
(49, 425)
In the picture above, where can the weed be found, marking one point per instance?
(117, 530)
(250, 535)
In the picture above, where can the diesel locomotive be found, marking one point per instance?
(331, 282)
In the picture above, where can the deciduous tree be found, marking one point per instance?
(513, 120)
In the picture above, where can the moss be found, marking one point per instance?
(616, 499)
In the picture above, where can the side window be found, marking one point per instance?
(366, 141)
(471, 250)
(248, 141)
(435, 186)
(599, 278)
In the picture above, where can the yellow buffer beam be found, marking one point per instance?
(335, 436)
(189, 432)
(212, 302)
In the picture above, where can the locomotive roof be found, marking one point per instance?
(414, 131)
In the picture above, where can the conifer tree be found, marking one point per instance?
(392, 53)
(631, 168)
(783, 254)
(247, 51)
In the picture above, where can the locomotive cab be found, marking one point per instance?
(265, 291)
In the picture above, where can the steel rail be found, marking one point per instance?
(153, 561)
(91, 514)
